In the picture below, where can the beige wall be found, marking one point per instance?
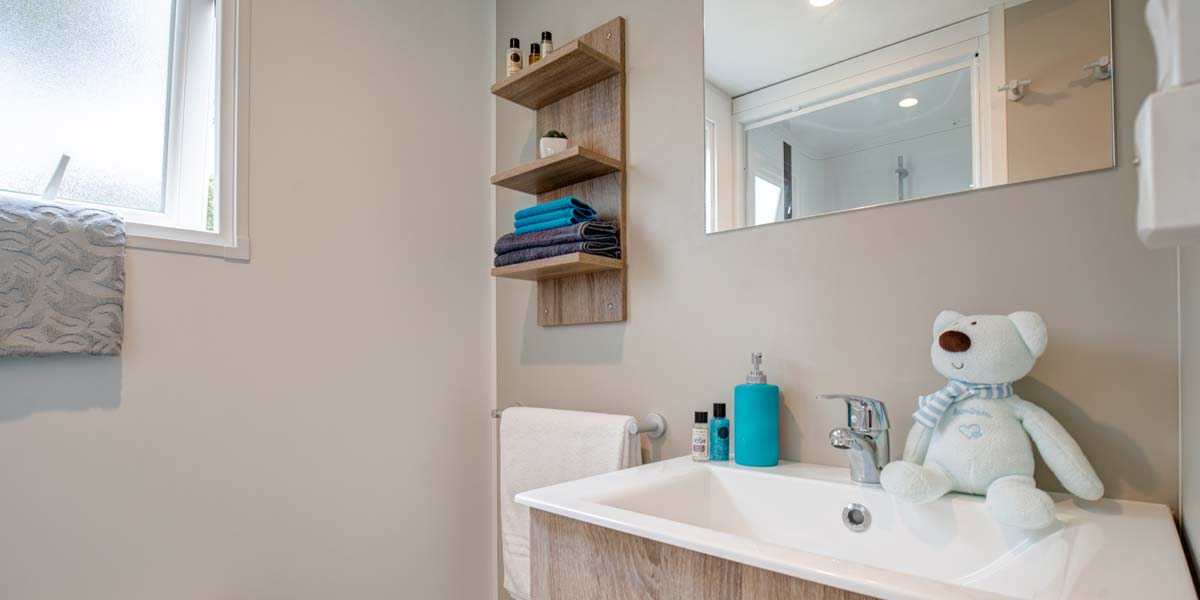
(312, 424)
(845, 303)
(1189, 451)
(1064, 122)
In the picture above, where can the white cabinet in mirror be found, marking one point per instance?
(820, 107)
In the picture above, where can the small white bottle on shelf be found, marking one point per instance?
(700, 437)
(513, 63)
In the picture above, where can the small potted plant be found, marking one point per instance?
(552, 143)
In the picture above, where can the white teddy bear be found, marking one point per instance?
(973, 435)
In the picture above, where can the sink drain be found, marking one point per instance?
(856, 517)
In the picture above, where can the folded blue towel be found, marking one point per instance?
(560, 204)
(552, 224)
(583, 215)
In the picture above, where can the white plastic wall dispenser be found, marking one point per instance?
(1168, 130)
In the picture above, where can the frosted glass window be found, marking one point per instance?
(89, 79)
(766, 201)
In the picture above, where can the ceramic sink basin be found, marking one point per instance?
(789, 519)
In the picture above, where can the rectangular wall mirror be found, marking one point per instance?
(819, 106)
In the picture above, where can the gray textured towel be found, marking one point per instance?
(539, 252)
(583, 232)
(62, 279)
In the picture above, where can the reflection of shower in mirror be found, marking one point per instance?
(877, 102)
(901, 175)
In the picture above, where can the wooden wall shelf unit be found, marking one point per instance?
(568, 167)
(578, 89)
(567, 70)
(558, 266)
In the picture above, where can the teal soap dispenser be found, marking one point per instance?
(756, 419)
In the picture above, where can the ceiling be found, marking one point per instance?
(751, 44)
(945, 103)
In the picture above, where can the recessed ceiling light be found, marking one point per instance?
(909, 102)
(820, 3)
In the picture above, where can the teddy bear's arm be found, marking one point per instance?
(1060, 451)
(916, 445)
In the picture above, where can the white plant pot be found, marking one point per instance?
(551, 146)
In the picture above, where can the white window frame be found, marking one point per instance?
(964, 45)
(191, 82)
(231, 181)
(710, 175)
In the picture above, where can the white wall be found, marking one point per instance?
(312, 424)
(1189, 449)
(844, 303)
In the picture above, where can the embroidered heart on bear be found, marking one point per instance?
(971, 432)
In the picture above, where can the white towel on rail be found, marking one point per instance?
(541, 447)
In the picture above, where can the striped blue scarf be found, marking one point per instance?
(932, 407)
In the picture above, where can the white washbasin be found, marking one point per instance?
(788, 519)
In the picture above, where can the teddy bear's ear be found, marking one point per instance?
(1032, 329)
(943, 319)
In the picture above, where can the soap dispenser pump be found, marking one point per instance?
(756, 419)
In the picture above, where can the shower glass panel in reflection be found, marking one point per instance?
(898, 141)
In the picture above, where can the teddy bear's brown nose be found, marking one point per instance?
(954, 341)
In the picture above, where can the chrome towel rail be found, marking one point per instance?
(653, 424)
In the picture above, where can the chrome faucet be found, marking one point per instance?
(865, 436)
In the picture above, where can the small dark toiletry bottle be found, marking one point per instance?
(535, 53)
(718, 439)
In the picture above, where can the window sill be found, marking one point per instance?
(163, 238)
(182, 241)
(241, 251)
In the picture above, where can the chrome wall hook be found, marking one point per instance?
(1101, 68)
(1015, 88)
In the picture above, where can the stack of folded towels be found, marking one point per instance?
(564, 226)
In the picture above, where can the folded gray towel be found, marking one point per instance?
(62, 279)
(539, 252)
(592, 231)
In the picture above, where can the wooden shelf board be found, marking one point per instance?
(558, 266)
(567, 70)
(568, 167)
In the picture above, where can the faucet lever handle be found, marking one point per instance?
(863, 414)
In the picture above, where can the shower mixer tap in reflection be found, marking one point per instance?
(901, 175)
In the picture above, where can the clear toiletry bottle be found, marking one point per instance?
(547, 43)
(700, 437)
(513, 63)
(718, 438)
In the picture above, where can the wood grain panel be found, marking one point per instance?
(579, 561)
(591, 298)
(592, 118)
